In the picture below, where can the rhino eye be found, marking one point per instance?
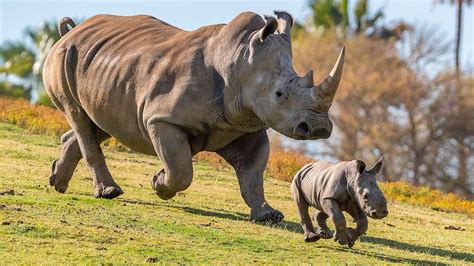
(366, 196)
(278, 94)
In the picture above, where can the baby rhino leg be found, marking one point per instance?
(342, 235)
(323, 230)
(309, 233)
(361, 221)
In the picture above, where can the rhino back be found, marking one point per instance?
(323, 180)
(129, 70)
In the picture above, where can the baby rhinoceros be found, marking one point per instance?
(333, 188)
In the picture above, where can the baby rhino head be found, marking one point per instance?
(367, 193)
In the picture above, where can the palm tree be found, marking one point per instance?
(17, 61)
(335, 14)
(21, 64)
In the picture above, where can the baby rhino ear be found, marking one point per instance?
(360, 166)
(377, 166)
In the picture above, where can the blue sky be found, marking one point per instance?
(16, 15)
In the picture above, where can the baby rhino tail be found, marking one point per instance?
(63, 26)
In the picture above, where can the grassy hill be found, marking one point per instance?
(206, 223)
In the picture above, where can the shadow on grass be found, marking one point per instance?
(296, 228)
(223, 215)
(236, 216)
(387, 258)
(141, 202)
(467, 257)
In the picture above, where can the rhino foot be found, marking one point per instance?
(354, 235)
(107, 192)
(344, 237)
(55, 180)
(311, 237)
(162, 191)
(266, 214)
(324, 233)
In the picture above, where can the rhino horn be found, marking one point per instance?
(285, 22)
(324, 93)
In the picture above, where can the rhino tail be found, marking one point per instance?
(63, 26)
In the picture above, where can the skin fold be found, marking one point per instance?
(334, 188)
(172, 93)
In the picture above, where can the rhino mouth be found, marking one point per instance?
(374, 214)
(303, 131)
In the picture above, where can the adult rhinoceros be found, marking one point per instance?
(164, 91)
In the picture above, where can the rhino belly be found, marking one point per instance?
(119, 116)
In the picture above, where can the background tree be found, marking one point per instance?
(461, 103)
(22, 63)
(391, 101)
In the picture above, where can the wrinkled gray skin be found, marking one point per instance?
(334, 188)
(172, 93)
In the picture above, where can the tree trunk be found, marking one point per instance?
(462, 184)
(458, 35)
(462, 155)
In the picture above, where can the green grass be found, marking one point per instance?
(206, 223)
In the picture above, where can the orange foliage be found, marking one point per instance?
(36, 118)
(212, 159)
(428, 197)
(283, 165)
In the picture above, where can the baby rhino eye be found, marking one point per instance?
(278, 94)
(365, 196)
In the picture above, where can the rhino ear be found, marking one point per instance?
(377, 166)
(285, 22)
(269, 28)
(360, 165)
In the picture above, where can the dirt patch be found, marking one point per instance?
(152, 260)
(7, 192)
(452, 227)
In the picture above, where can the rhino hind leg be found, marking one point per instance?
(174, 150)
(88, 137)
(63, 168)
(323, 230)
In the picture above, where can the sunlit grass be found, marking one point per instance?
(208, 223)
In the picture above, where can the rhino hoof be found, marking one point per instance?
(266, 214)
(162, 191)
(311, 237)
(109, 192)
(54, 179)
(325, 234)
(351, 243)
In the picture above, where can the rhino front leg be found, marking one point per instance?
(174, 150)
(332, 209)
(248, 155)
(323, 230)
(361, 221)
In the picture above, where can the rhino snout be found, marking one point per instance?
(378, 214)
(304, 131)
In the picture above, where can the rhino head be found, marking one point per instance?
(366, 191)
(288, 103)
